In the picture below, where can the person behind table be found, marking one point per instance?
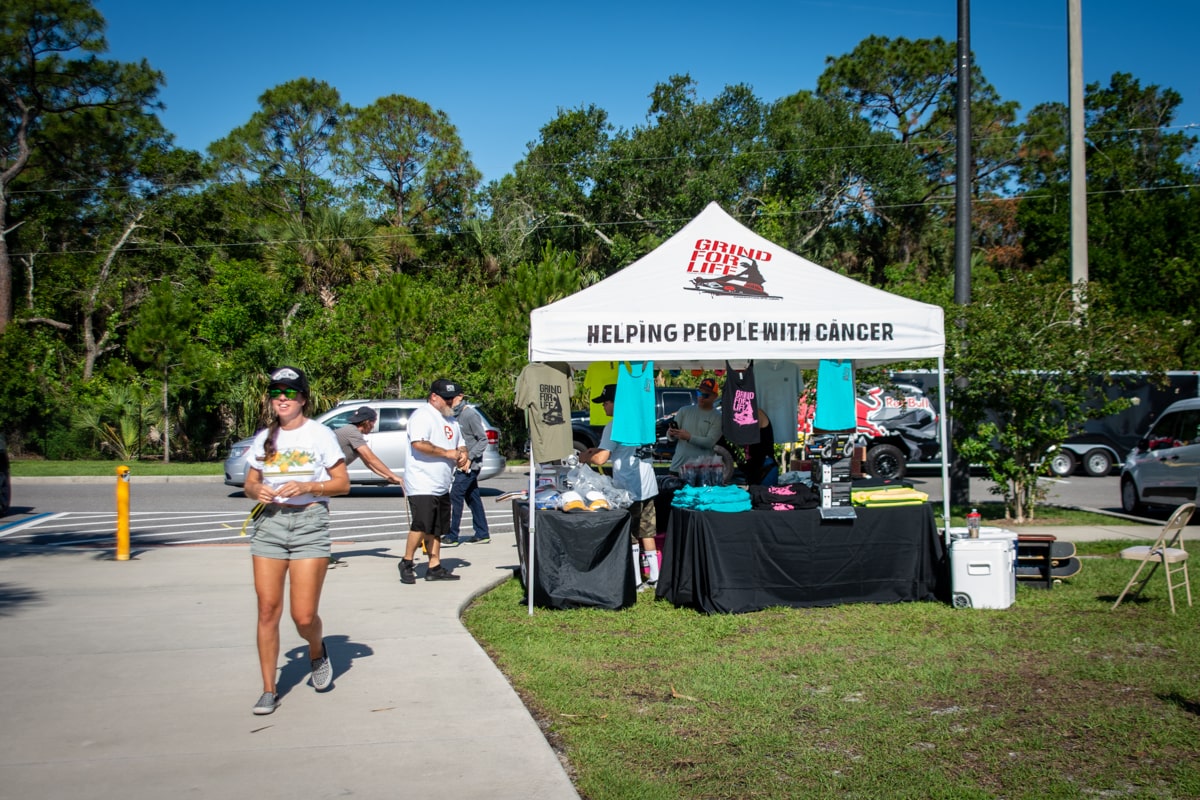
(633, 474)
(760, 457)
(352, 438)
(465, 487)
(295, 466)
(435, 449)
(697, 428)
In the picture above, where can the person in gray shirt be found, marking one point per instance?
(465, 488)
(697, 428)
(352, 438)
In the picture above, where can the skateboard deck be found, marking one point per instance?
(1031, 554)
(1064, 568)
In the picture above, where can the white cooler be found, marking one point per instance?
(982, 572)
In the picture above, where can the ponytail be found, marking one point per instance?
(269, 444)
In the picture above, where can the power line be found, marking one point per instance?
(566, 226)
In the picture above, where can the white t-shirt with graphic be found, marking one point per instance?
(302, 454)
(430, 474)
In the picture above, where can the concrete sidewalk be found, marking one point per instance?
(136, 679)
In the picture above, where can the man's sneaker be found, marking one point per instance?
(440, 573)
(322, 670)
(480, 540)
(408, 574)
(266, 704)
(449, 541)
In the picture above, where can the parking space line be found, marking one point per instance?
(20, 525)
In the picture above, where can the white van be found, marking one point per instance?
(1164, 467)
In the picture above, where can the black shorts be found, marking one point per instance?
(430, 514)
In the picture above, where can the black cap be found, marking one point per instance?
(609, 395)
(289, 378)
(447, 390)
(362, 414)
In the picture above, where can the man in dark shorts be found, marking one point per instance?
(435, 449)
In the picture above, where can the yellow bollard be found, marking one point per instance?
(122, 513)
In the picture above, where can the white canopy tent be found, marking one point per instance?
(716, 292)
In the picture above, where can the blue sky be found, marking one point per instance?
(501, 71)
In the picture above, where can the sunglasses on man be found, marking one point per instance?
(290, 394)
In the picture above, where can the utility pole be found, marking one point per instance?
(960, 471)
(1079, 241)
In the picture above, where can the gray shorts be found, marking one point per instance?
(292, 533)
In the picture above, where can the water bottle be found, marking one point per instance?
(973, 523)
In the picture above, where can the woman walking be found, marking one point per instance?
(294, 467)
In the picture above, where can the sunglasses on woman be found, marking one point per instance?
(290, 394)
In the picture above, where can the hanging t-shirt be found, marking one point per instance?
(779, 384)
(835, 396)
(739, 406)
(544, 394)
(633, 410)
(599, 374)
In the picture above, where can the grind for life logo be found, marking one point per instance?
(728, 270)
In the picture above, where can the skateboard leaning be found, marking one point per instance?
(1064, 568)
(1044, 559)
(1036, 552)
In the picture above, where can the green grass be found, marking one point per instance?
(1056, 697)
(993, 514)
(31, 468)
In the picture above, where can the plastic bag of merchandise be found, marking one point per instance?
(547, 498)
(585, 480)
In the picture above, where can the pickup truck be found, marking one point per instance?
(667, 400)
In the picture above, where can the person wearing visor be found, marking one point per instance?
(435, 450)
(294, 467)
(696, 429)
(352, 438)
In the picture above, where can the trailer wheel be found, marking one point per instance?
(885, 461)
(1063, 464)
(1097, 463)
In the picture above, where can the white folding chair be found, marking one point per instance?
(1168, 550)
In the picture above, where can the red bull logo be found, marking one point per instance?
(873, 411)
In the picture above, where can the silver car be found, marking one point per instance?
(389, 441)
(1164, 468)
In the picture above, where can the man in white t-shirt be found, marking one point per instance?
(435, 449)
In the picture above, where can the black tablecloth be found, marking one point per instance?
(733, 563)
(582, 558)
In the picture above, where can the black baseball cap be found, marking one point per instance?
(609, 395)
(363, 414)
(289, 378)
(447, 390)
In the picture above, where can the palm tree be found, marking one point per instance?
(326, 250)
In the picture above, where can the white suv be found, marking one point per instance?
(1164, 468)
(389, 441)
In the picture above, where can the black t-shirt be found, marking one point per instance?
(739, 406)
